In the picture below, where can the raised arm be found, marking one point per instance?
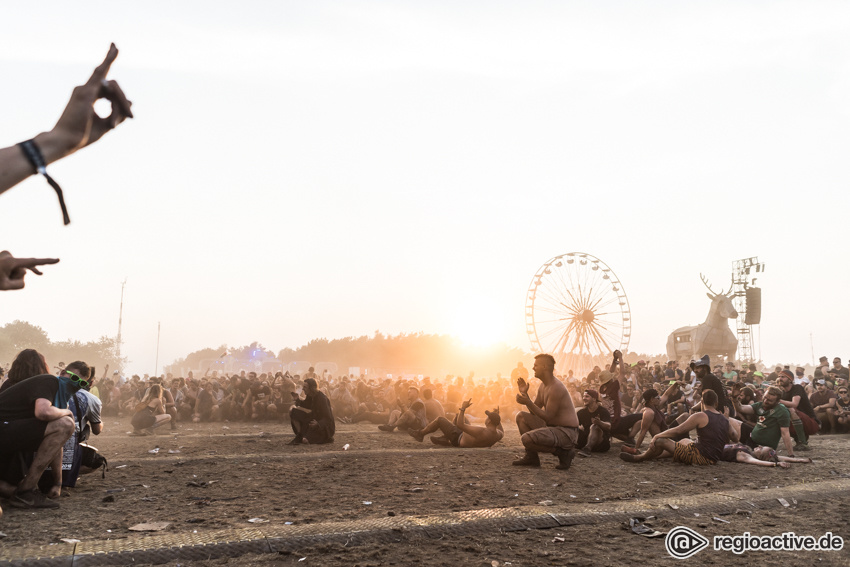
(742, 409)
(78, 126)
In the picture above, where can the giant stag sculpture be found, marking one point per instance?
(714, 337)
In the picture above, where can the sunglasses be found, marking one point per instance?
(842, 392)
(76, 378)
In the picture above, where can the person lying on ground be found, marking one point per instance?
(312, 418)
(550, 425)
(713, 433)
(461, 434)
(408, 416)
(760, 455)
(34, 418)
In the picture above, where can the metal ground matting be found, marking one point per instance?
(276, 538)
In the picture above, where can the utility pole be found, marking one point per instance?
(156, 369)
(812, 345)
(120, 317)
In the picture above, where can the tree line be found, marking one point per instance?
(19, 335)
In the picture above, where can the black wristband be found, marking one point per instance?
(35, 157)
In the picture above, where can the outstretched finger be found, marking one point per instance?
(101, 70)
(31, 263)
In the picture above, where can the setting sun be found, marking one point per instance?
(479, 323)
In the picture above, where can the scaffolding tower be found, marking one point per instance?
(742, 280)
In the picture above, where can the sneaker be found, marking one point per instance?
(32, 499)
(529, 460)
(565, 458)
(388, 428)
(802, 447)
(416, 434)
(584, 452)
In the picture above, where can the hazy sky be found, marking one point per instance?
(324, 169)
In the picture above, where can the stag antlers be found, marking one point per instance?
(714, 293)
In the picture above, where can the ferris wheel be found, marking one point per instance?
(577, 311)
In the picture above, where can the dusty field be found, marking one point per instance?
(213, 476)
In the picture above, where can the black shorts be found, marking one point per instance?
(626, 423)
(454, 436)
(21, 435)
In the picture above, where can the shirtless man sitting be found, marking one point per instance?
(461, 434)
(550, 425)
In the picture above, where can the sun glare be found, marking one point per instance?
(478, 323)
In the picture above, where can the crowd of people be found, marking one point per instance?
(737, 414)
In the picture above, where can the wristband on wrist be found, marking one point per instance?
(34, 156)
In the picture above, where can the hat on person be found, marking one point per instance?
(649, 394)
(704, 361)
(787, 373)
(759, 374)
(805, 380)
(605, 376)
(821, 381)
(641, 362)
(494, 416)
(593, 394)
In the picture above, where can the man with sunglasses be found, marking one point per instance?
(34, 418)
(842, 409)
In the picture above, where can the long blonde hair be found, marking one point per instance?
(154, 391)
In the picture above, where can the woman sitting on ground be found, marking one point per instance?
(150, 412)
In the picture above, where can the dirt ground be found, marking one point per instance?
(214, 476)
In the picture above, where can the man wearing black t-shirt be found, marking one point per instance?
(592, 437)
(30, 422)
(312, 418)
(709, 381)
(803, 422)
